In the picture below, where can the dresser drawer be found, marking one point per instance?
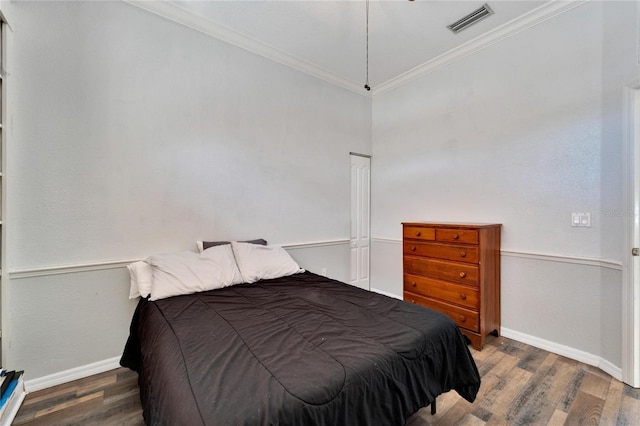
(465, 318)
(419, 233)
(452, 235)
(442, 251)
(443, 290)
(450, 271)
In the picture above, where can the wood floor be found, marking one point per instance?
(521, 385)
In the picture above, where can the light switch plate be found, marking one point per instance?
(581, 219)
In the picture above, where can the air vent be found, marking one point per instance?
(471, 19)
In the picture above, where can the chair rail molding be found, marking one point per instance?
(549, 257)
(41, 271)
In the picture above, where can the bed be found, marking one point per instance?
(296, 350)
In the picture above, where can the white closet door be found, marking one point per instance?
(360, 220)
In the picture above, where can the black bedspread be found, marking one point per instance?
(299, 350)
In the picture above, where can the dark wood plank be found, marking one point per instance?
(612, 403)
(532, 359)
(629, 413)
(586, 409)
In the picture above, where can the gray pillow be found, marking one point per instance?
(207, 244)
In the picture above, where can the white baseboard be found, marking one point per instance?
(611, 369)
(385, 293)
(566, 351)
(72, 374)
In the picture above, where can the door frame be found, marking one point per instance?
(631, 264)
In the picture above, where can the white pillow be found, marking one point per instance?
(223, 256)
(188, 272)
(258, 262)
(141, 279)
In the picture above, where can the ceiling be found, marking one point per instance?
(331, 35)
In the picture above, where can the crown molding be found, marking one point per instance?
(171, 11)
(536, 16)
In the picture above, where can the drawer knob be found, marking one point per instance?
(463, 296)
(413, 301)
(462, 274)
(462, 318)
(463, 254)
(413, 283)
(418, 233)
(456, 236)
(413, 248)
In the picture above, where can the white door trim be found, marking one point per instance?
(631, 264)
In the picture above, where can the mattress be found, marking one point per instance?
(297, 350)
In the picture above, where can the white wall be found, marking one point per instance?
(174, 137)
(133, 135)
(513, 134)
(508, 135)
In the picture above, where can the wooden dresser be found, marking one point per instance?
(454, 268)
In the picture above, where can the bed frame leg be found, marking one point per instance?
(433, 408)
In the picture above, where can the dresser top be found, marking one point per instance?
(454, 224)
